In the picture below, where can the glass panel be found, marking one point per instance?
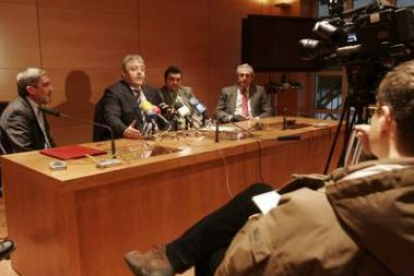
(328, 96)
(323, 9)
(405, 3)
(361, 3)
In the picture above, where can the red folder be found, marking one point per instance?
(71, 151)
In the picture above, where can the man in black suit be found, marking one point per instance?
(23, 127)
(120, 107)
(243, 101)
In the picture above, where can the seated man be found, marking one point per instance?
(23, 127)
(244, 100)
(359, 223)
(120, 106)
(6, 248)
(178, 102)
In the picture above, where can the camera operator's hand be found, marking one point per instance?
(362, 132)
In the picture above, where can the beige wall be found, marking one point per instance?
(81, 42)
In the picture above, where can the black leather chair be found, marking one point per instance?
(6, 248)
(2, 107)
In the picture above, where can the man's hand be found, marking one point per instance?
(131, 132)
(362, 132)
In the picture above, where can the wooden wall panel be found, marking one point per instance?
(30, 2)
(76, 92)
(225, 26)
(19, 45)
(174, 32)
(119, 6)
(72, 39)
(8, 84)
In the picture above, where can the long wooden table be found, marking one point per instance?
(82, 220)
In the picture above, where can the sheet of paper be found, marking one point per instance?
(267, 201)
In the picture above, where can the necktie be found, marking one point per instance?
(137, 94)
(245, 108)
(40, 120)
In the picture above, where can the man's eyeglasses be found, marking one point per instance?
(372, 109)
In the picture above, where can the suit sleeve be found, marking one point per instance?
(112, 113)
(222, 111)
(265, 105)
(19, 132)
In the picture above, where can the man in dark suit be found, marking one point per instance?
(120, 107)
(177, 101)
(23, 127)
(244, 100)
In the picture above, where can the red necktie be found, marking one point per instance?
(245, 108)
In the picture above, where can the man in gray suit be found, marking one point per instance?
(23, 127)
(243, 101)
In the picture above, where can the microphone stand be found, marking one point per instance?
(57, 113)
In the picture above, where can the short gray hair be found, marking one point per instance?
(245, 67)
(129, 58)
(28, 77)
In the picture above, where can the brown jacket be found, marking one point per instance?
(358, 227)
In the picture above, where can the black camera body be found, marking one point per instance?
(368, 41)
(358, 34)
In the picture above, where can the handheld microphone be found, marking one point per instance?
(183, 110)
(202, 110)
(152, 111)
(57, 113)
(195, 103)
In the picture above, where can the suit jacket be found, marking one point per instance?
(19, 129)
(118, 108)
(184, 92)
(259, 102)
(360, 226)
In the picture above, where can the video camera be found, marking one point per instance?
(378, 29)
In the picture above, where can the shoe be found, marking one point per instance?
(6, 248)
(152, 263)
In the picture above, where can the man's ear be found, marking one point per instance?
(30, 90)
(385, 117)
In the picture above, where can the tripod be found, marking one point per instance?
(358, 103)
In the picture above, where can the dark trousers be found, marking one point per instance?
(204, 244)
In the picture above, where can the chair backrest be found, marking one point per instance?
(3, 105)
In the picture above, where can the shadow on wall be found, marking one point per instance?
(78, 93)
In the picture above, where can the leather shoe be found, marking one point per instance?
(152, 263)
(6, 248)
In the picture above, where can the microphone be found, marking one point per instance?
(287, 124)
(152, 111)
(183, 110)
(195, 103)
(201, 109)
(149, 114)
(57, 113)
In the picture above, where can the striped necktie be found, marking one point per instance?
(41, 121)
